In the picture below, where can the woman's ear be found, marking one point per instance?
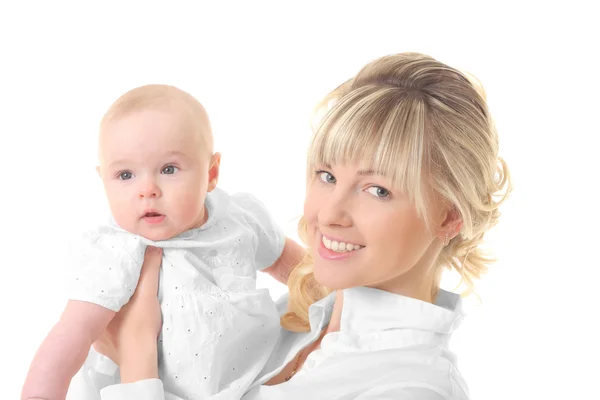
(98, 171)
(213, 171)
(450, 226)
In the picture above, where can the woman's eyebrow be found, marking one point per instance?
(365, 172)
(370, 172)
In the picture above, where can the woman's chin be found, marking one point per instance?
(326, 275)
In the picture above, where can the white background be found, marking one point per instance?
(260, 68)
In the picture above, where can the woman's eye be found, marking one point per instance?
(125, 175)
(326, 177)
(170, 169)
(379, 192)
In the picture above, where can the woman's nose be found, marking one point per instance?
(335, 210)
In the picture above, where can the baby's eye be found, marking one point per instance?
(170, 169)
(379, 192)
(126, 175)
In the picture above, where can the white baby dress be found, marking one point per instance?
(218, 329)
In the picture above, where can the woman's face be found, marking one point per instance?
(363, 233)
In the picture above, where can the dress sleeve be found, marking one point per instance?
(104, 267)
(270, 236)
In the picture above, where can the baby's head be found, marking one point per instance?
(157, 161)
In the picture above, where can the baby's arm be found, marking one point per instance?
(64, 350)
(276, 254)
(290, 257)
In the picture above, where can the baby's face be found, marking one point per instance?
(155, 173)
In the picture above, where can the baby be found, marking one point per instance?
(160, 175)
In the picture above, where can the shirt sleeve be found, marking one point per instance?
(270, 236)
(151, 389)
(104, 267)
(148, 389)
(403, 393)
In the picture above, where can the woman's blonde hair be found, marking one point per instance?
(426, 126)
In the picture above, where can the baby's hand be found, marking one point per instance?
(138, 323)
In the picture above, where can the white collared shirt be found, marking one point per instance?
(389, 347)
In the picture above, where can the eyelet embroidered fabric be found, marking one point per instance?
(218, 329)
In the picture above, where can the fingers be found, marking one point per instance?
(148, 283)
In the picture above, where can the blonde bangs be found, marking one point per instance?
(391, 123)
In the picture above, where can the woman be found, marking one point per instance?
(404, 180)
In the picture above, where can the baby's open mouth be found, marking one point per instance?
(152, 217)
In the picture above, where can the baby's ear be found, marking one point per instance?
(98, 171)
(213, 172)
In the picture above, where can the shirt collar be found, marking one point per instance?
(367, 309)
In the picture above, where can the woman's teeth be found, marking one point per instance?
(340, 247)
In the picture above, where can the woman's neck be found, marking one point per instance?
(336, 315)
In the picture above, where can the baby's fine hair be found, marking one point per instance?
(162, 97)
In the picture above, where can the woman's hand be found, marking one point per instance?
(130, 338)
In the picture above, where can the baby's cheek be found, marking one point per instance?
(190, 205)
(123, 214)
(125, 220)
